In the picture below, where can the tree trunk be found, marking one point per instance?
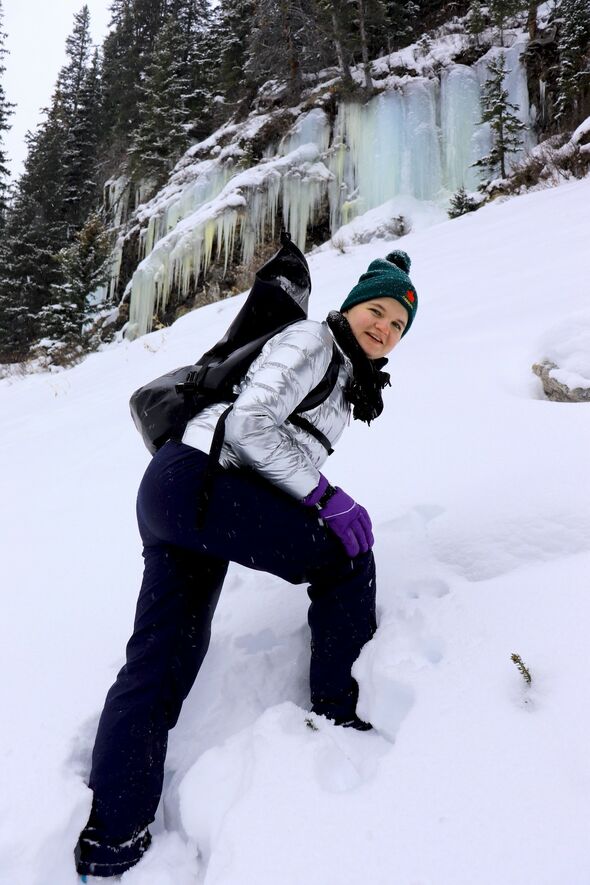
(532, 19)
(295, 80)
(342, 60)
(365, 48)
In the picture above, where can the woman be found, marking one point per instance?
(270, 509)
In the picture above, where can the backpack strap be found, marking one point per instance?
(212, 465)
(314, 398)
(304, 424)
(325, 387)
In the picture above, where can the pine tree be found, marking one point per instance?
(81, 100)
(85, 263)
(501, 11)
(286, 42)
(231, 29)
(78, 52)
(33, 236)
(272, 51)
(28, 268)
(161, 135)
(369, 32)
(197, 62)
(127, 51)
(80, 155)
(84, 267)
(475, 24)
(461, 203)
(500, 114)
(574, 57)
(119, 76)
(402, 21)
(51, 199)
(339, 37)
(5, 112)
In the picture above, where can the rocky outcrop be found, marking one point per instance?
(557, 390)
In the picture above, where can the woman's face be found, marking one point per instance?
(377, 325)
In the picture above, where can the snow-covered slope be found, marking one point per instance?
(479, 491)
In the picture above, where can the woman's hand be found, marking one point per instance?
(343, 516)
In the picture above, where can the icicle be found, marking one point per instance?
(145, 187)
(226, 233)
(116, 259)
(460, 116)
(116, 192)
(303, 192)
(208, 240)
(311, 128)
(543, 99)
(250, 199)
(177, 202)
(385, 147)
(422, 166)
(387, 126)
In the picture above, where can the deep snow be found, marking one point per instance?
(479, 491)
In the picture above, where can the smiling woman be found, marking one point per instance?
(387, 279)
(377, 325)
(269, 508)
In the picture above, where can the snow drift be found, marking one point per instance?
(479, 491)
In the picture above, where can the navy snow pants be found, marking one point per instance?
(251, 522)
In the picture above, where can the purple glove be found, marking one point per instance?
(348, 520)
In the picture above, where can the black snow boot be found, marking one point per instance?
(103, 859)
(354, 722)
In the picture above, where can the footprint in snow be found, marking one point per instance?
(414, 519)
(391, 668)
(253, 643)
(344, 758)
(434, 588)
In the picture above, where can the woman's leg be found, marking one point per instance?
(171, 634)
(251, 522)
(342, 620)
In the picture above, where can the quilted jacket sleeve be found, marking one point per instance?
(291, 365)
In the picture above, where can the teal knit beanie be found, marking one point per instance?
(387, 278)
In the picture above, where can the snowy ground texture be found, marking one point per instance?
(479, 491)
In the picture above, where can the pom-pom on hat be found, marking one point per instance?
(387, 278)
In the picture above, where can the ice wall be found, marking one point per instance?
(116, 201)
(461, 141)
(207, 180)
(244, 208)
(419, 137)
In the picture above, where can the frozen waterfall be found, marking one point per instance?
(419, 137)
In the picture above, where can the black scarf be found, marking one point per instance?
(363, 390)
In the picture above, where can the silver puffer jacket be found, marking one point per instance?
(290, 365)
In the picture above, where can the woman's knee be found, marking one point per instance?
(342, 566)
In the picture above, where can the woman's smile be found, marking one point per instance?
(377, 325)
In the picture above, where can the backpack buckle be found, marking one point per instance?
(192, 382)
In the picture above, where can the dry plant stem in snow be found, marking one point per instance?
(524, 671)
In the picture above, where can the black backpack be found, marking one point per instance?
(279, 297)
